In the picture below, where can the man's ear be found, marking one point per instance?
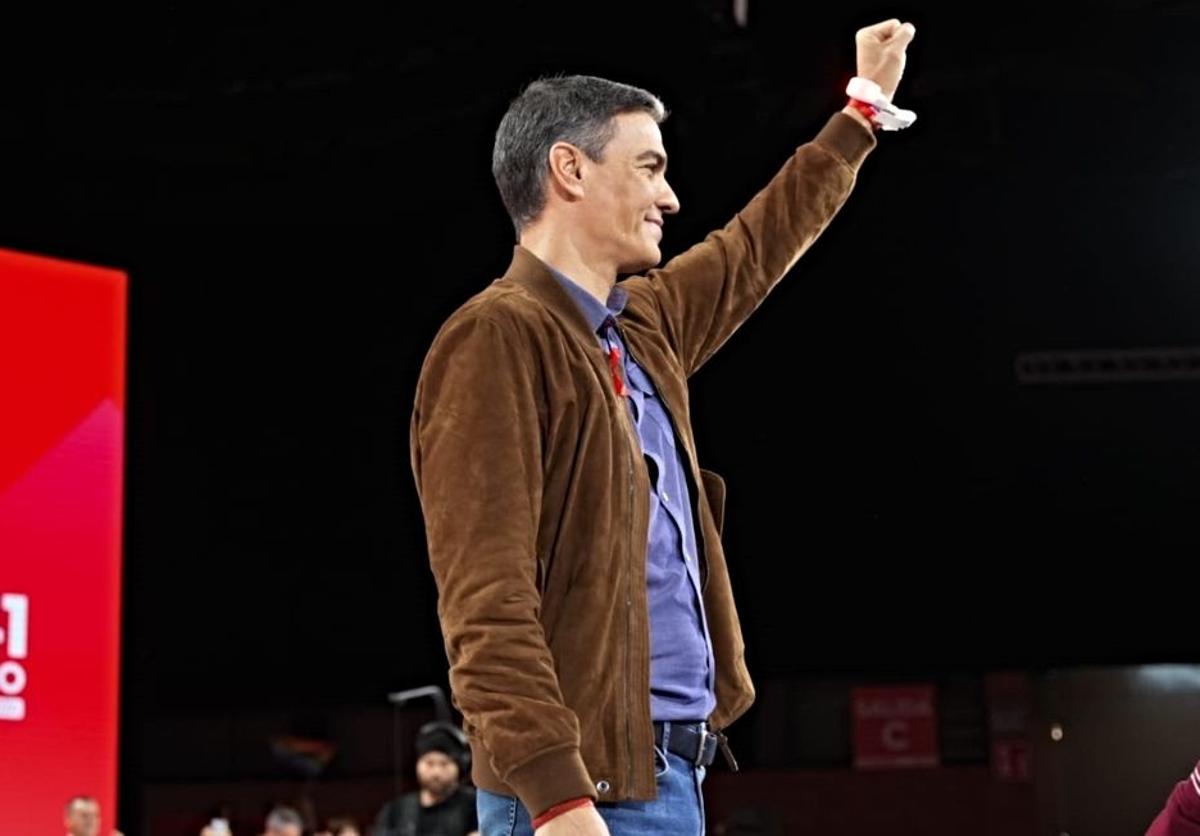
(566, 170)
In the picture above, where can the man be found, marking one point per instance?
(594, 645)
(442, 806)
(81, 817)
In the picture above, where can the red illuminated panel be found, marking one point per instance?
(62, 405)
(895, 727)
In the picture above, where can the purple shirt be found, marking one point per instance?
(682, 670)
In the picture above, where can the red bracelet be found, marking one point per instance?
(869, 111)
(558, 809)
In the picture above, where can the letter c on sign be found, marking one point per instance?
(895, 736)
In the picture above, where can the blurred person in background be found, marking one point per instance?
(81, 817)
(441, 806)
(281, 821)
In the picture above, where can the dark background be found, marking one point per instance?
(302, 195)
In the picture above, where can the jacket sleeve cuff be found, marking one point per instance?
(846, 138)
(551, 778)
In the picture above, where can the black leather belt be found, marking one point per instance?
(691, 741)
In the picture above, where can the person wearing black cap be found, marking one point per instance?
(441, 806)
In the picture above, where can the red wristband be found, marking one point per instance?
(558, 809)
(869, 111)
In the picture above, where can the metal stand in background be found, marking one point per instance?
(400, 741)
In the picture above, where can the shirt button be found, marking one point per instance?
(666, 497)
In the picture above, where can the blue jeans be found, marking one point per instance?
(678, 810)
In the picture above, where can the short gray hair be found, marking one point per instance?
(79, 799)
(282, 816)
(578, 109)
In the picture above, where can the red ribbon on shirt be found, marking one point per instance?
(614, 363)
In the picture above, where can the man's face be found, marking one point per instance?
(437, 773)
(626, 195)
(83, 819)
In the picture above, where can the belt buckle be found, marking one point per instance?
(706, 752)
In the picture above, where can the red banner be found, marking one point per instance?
(62, 405)
(894, 727)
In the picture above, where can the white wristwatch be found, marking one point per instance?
(887, 115)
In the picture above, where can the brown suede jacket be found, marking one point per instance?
(536, 498)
